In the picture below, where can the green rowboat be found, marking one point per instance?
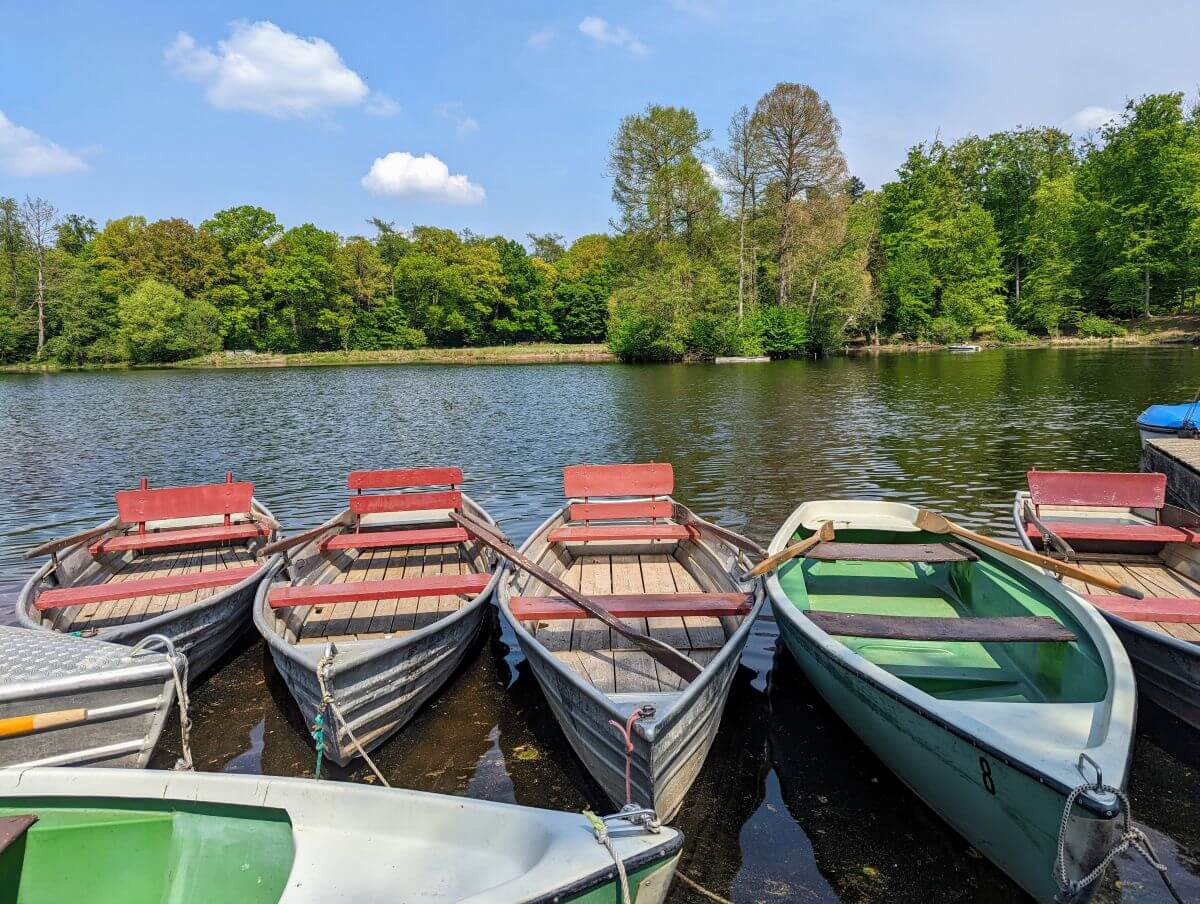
(111, 836)
(987, 687)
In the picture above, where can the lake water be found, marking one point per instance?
(790, 806)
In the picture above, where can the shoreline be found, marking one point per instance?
(1161, 333)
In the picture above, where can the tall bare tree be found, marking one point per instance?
(40, 222)
(740, 167)
(801, 154)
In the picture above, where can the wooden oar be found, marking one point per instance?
(683, 666)
(52, 546)
(279, 545)
(824, 534)
(14, 726)
(940, 524)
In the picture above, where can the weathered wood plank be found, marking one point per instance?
(657, 578)
(1032, 629)
(627, 580)
(635, 673)
(932, 553)
(595, 580)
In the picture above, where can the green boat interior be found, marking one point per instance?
(929, 603)
(147, 852)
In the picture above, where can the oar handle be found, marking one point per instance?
(1062, 568)
(824, 532)
(15, 726)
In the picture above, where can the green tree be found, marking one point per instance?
(158, 324)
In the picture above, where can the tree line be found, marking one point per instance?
(761, 243)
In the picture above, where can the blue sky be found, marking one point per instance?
(497, 116)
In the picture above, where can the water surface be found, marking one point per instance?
(790, 806)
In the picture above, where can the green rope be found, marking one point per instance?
(319, 736)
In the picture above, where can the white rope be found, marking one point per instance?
(601, 831)
(330, 704)
(179, 672)
(1131, 837)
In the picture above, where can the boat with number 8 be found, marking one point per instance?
(989, 689)
(641, 728)
(174, 561)
(112, 836)
(369, 614)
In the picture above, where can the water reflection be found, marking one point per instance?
(789, 806)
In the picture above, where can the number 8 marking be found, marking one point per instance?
(985, 770)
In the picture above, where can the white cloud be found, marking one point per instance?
(379, 104)
(602, 32)
(23, 152)
(542, 37)
(1092, 118)
(264, 69)
(719, 182)
(464, 124)
(400, 175)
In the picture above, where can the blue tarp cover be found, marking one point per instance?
(1170, 417)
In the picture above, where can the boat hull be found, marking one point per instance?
(378, 685)
(127, 700)
(1016, 827)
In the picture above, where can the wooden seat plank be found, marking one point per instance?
(96, 593)
(1020, 629)
(932, 553)
(1163, 609)
(617, 532)
(630, 607)
(393, 538)
(353, 592)
(167, 539)
(1108, 531)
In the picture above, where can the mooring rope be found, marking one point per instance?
(1131, 837)
(645, 711)
(600, 828)
(179, 672)
(697, 887)
(328, 703)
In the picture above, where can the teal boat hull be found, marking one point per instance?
(1008, 815)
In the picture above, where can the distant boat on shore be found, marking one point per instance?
(963, 348)
(742, 359)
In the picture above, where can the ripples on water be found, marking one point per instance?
(790, 806)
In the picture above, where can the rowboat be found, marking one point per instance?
(1159, 421)
(641, 730)
(173, 561)
(964, 348)
(368, 615)
(1120, 525)
(988, 688)
(70, 701)
(150, 836)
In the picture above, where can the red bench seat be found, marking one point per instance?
(385, 539)
(601, 532)
(168, 539)
(1127, 533)
(90, 594)
(646, 605)
(1151, 608)
(359, 591)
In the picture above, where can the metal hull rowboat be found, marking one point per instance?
(382, 616)
(121, 837)
(177, 562)
(1120, 526)
(993, 733)
(596, 682)
(71, 701)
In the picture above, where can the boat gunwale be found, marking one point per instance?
(664, 720)
(27, 598)
(1187, 648)
(1099, 632)
(262, 615)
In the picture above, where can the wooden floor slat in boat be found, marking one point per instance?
(1152, 580)
(373, 619)
(153, 565)
(609, 661)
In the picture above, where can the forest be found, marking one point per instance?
(757, 241)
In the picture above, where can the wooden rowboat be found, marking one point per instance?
(986, 686)
(70, 701)
(384, 601)
(175, 561)
(1119, 525)
(141, 837)
(650, 562)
